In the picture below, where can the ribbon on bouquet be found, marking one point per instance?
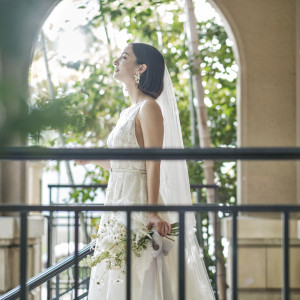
(157, 284)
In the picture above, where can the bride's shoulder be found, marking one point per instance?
(150, 107)
(150, 113)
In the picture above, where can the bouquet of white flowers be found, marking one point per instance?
(110, 244)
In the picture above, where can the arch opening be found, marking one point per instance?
(86, 84)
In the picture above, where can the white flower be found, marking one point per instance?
(111, 244)
(107, 242)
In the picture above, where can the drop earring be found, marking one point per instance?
(137, 77)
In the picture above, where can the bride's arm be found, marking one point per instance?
(151, 120)
(102, 163)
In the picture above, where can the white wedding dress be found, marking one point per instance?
(154, 275)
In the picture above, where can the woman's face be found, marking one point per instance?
(125, 66)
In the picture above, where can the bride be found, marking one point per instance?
(151, 121)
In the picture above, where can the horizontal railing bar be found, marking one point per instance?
(49, 273)
(77, 185)
(207, 186)
(228, 154)
(177, 208)
(192, 185)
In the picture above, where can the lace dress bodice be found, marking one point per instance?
(127, 185)
(123, 136)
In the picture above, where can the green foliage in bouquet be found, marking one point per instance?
(111, 241)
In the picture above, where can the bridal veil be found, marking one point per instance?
(175, 190)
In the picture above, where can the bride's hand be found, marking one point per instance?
(156, 222)
(81, 162)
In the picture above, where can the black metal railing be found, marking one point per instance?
(54, 223)
(48, 274)
(227, 154)
(34, 153)
(57, 222)
(22, 290)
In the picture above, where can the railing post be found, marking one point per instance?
(234, 256)
(49, 248)
(69, 240)
(285, 256)
(23, 259)
(181, 256)
(57, 287)
(128, 257)
(49, 252)
(216, 239)
(199, 233)
(76, 260)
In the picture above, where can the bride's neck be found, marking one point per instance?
(135, 94)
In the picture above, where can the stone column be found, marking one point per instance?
(20, 22)
(10, 237)
(264, 33)
(267, 42)
(34, 187)
(260, 258)
(13, 182)
(298, 91)
(10, 252)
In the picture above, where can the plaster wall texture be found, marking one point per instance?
(13, 182)
(265, 36)
(10, 252)
(15, 58)
(298, 90)
(260, 256)
(34, 181)
(267, 42)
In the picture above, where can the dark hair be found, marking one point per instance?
(152, 80)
